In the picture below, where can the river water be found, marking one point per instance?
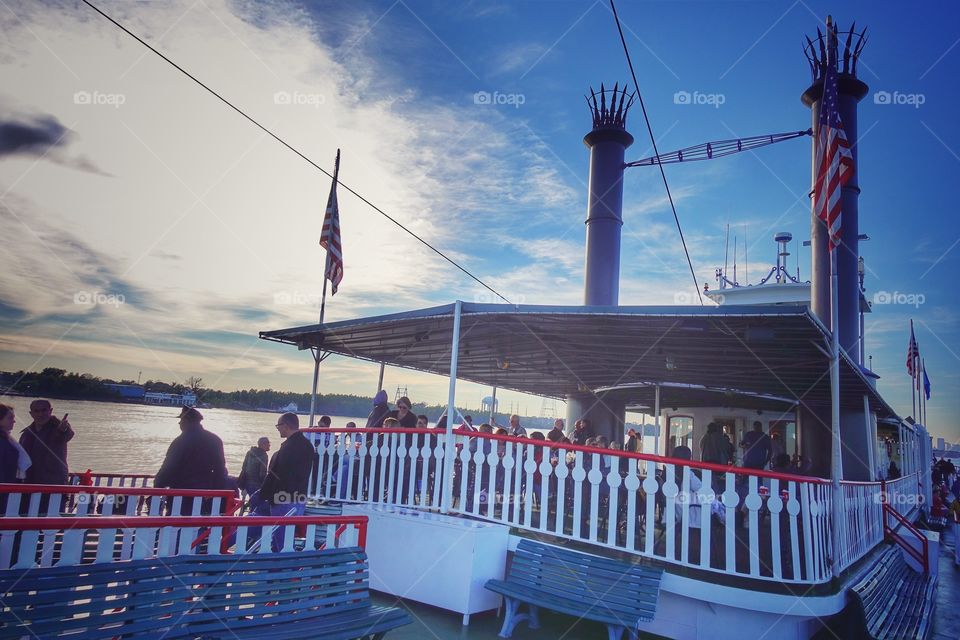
(133, 438)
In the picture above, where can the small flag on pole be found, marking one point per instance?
(330, 235)
(834, 158)
(926, 382)
(913, 354)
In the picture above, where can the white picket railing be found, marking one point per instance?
(904, 495)
(46, 500)
(47, 542)
(755, 524)
(861, 528)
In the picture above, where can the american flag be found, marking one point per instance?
(834, 159)
(913, 354)
(330, 235)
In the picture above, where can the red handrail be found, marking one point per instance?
(923, 557)
(789, 477)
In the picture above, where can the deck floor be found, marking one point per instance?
(946, 617)
(432, 623)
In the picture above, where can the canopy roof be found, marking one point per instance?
(710, 356)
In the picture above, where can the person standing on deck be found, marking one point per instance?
(516, 430)
(14, 460)
(406, 418)
(556, 434)
(284, 490)
(582, 431)
(756, 447)
(381, 409)
(195, 458)
(714, 446)
(254, 471)
(45, 441)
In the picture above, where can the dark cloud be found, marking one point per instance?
(33, 137)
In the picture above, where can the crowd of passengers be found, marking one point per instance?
(487, 489)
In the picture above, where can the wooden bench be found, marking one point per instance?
(613, 593)
(312, 594)
(893, 601)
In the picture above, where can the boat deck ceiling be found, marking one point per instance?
(552, 351)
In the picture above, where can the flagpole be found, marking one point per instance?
(837, 450)
(316, 352)
(913, 386)
(323, 304)
(923, 396)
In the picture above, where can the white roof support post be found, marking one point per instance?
(656, 422)
(871, 439)
(450, 450)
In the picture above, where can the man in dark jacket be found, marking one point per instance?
(45, 441)
(195, 458)
(288, 477)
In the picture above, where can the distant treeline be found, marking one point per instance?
(59, 383)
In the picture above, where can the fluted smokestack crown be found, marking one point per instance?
(609, 106)
(825, 49)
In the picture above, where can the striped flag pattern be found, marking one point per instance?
(913, 354)
(834, 158)
(330, 234)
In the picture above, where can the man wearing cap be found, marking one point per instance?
(288, 476)
(195, 458)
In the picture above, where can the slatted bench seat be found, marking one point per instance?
(613, 593)
(893, 601)
(313, 594)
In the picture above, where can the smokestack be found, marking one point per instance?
(608, 142)
(826, 49)
(842, 49)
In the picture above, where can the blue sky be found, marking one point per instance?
(150, 229)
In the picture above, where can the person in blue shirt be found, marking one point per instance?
(756, 447)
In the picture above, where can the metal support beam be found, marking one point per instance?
(450, 450)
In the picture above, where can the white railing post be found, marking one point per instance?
(450, 448)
